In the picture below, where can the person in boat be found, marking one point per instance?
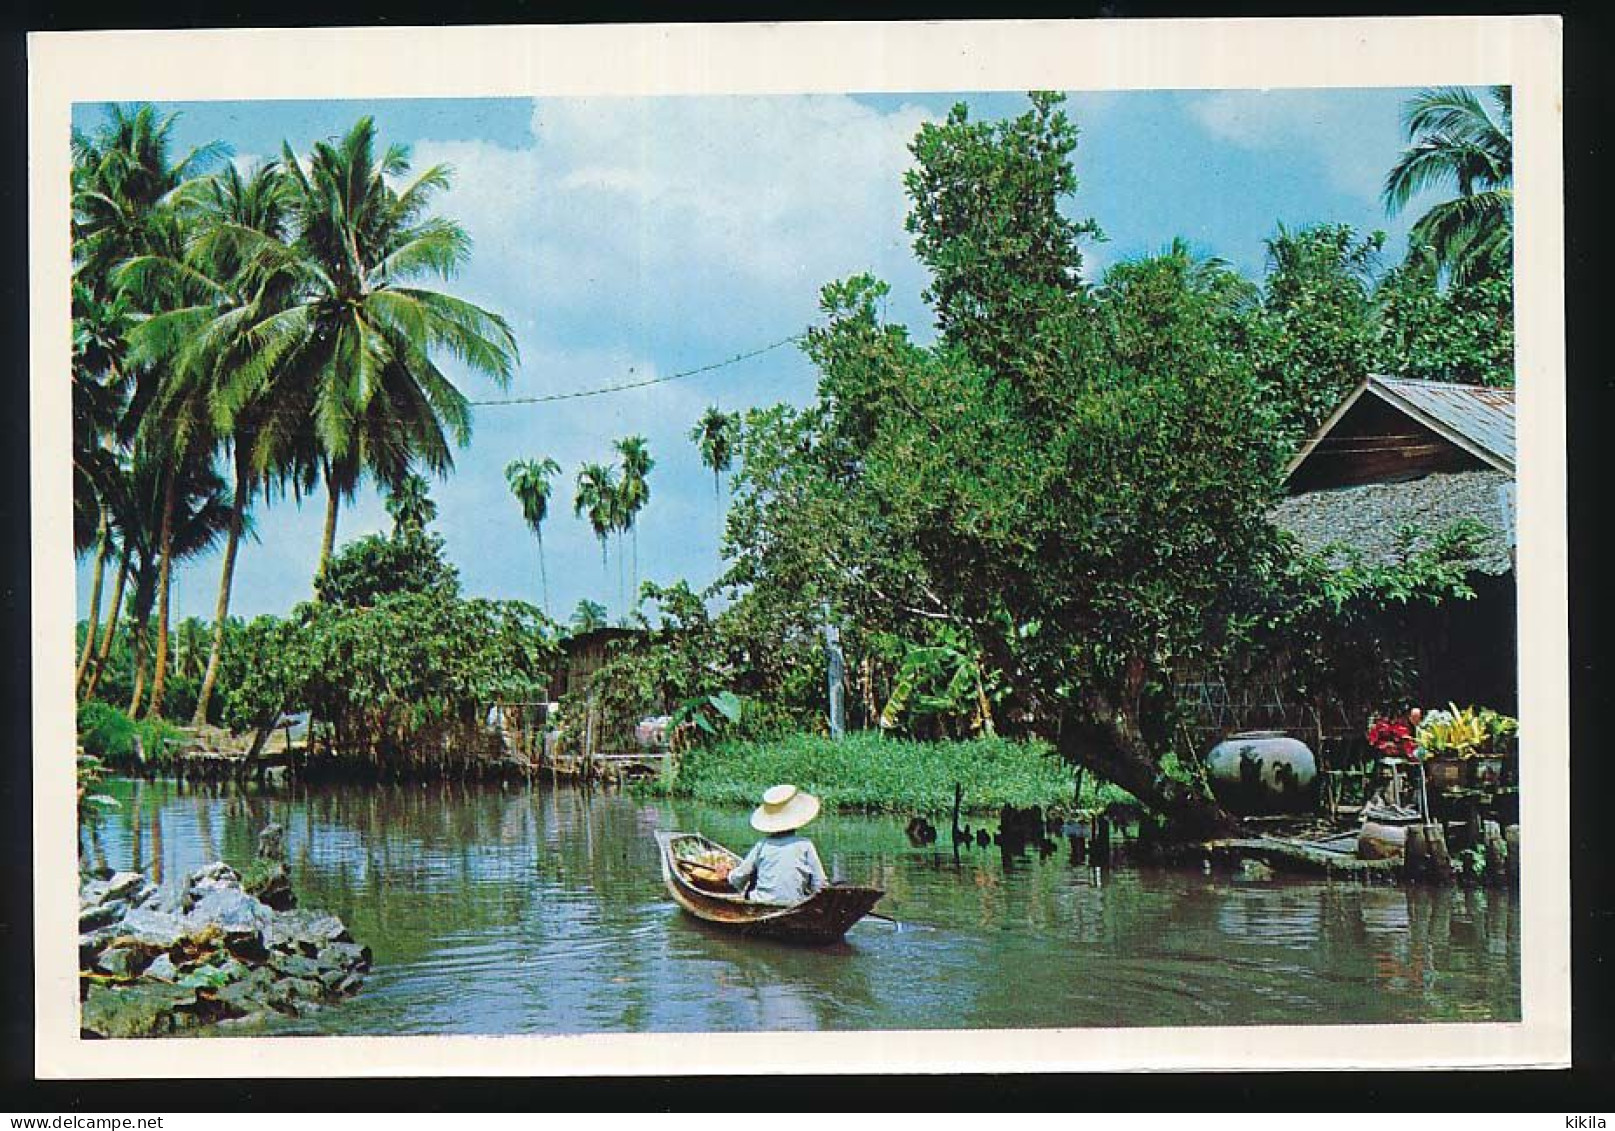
(784, 866)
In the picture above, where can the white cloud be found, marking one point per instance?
(1317, 125)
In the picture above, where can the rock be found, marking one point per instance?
(208, 878)
(144, 1009)
(156, 930)
(332, 977)
(345, 955)
(91, 891)
(231, 910)
(1254, 870)
(305, 930)
(269, 881)
(122, 886)
(120, 961)
(301, 989)
(272, 843)
(350, 984)
(294, 965)
(247, 1021)
(93, 943)
(243, 998)
(163, 969)
(101, 915)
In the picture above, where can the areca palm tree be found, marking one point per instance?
(596, 498)
(1459, 143)
(409, 504)
(714, 436)
(529, 481)
(588, 616)
(634, 493)
(355, 352)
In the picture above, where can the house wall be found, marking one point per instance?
(1377, 443)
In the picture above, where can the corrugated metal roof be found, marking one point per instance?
(1481, 415)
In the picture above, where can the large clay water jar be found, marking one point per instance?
(1263, 771)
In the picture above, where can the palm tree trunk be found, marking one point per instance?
(221, 608)
(543, 575)
(91, 629)
(104, 649)
(140, 665)
(165, 574)
(333, 501)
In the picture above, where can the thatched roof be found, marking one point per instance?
(1369, 517)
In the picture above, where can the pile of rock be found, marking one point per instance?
(219, 954)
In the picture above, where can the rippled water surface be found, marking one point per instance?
(542, 911)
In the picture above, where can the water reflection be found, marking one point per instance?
(528, 911)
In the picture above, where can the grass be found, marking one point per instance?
(866, 772)
(109, 734)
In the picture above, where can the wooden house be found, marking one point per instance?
(583, 654)
(1396, 464)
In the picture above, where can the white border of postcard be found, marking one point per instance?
(1524, 52)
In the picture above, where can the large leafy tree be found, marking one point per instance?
(1071, 480)
(531, 483)
(1463, 144)
(1319, 326)
(356, 353)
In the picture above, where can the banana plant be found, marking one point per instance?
(940, 679)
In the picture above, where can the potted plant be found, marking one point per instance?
(1465, 745)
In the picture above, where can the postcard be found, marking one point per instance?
(664, 549)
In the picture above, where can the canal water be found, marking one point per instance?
(542, 910)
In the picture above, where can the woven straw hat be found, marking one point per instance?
(784, 808)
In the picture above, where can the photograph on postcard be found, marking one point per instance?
(826, 562)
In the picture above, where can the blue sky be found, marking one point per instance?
(631, 238)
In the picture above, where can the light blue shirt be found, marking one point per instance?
(785, 867)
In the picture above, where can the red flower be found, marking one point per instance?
(1392, 737)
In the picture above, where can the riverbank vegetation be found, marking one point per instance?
(869, 773)
(1020, 532)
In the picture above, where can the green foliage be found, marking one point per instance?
(90, 772)
(373, 567)
(1464, 332)
(864, 771)
(108, 734)
(941, 681)
(1315, 339)
(391, 656)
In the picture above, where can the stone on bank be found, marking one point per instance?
(222, 954)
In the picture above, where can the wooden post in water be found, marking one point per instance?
(1099, 852)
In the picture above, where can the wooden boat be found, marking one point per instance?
(823, 917)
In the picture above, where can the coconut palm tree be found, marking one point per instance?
(1460, 144)
(529, 481)
(410, 505)
(355, 352)
(227, 284)
(126, 194)
(199, 517)
(634, 493)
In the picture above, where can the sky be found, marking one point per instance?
(628, 239)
